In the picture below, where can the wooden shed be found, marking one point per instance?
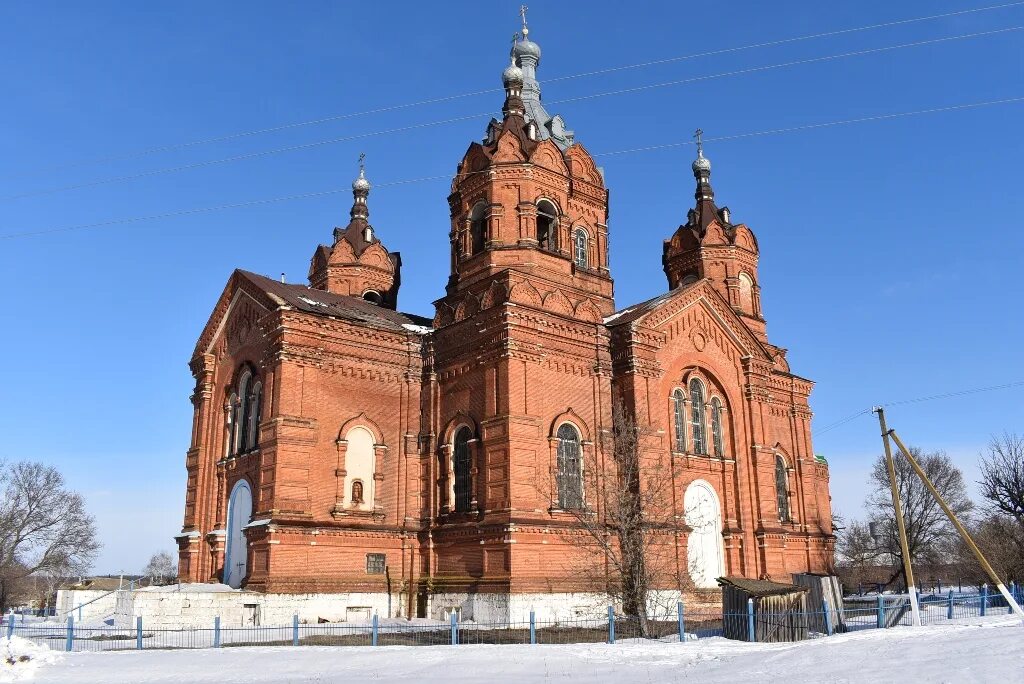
(824, 590)
(779, 610)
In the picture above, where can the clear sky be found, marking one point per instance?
(890, 250)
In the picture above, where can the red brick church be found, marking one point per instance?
(341, 447)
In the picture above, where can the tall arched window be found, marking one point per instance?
(547, 221)
(255, 405)
(579, 247)
(233, 416)
(781, 488)
(463, 484)
(242, 436)
(569, 468)
(679, 420)
(746, 294)
(478, 228)
(700, 445)
(716, 427)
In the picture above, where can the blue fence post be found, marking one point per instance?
(295, 629)
(455, 629)
(949, 606)
(373, 634)
(533, 628)
(881, 612)
(10, 625)
(611, 624)
(828, 617)
(138, 632)
(216, 632)
(682, 624)
(70, 641)
(750, 619)
(984, 599)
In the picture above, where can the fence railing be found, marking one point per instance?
(856, 613)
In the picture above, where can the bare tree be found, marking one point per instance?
(44, 526)
(627, 524)
(161, 568)
(931, 538)
(1002, 476)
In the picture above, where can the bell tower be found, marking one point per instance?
(710, 245)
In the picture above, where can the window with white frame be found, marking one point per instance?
(679, 420)
(716, 427)
(569, 468)
(700, 445)
(579, 247)
(547, 221)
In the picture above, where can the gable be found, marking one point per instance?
(236, 315)
(699, 311)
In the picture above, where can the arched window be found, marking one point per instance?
(697, 416)
(373, 297)
(478, 227)
(255, 405)
(679, 420)
(547, 221)
(569, 468)
(460, 470)
(233, 417)
(716, 426)
(242, 436)
(781, 488)
(579, 247)
(746, 294)
(357, 492)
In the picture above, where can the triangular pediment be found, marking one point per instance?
(663, 312)
(238, 309)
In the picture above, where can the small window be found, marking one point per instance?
(679, 420)
(547, 221)
(357, 492)
(579, 244)
(376, 563)
(373, 297)
(478, 228)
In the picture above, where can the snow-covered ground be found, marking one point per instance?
(988, 650)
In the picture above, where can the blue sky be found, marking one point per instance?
(890, 261)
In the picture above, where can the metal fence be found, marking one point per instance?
(857, 613)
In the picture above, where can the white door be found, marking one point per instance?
(237, 553)
(704, 545)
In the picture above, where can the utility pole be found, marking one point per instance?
(908, 572)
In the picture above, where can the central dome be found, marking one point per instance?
(527, 48)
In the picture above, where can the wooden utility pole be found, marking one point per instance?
(959, 527)
(908, 572)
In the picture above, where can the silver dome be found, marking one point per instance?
(512, 74)
(361, 183)
(527, 47)
(701, 163)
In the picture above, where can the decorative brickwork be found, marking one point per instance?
(442, 444)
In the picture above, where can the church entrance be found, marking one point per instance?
(704, 545)
(236, 554)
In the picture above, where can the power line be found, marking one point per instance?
(401, 129)
(933, 397)
(448, 98)
(272, 200)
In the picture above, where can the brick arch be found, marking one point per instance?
(455, 422)
(570, 416)
(713, 387)
(364, 421)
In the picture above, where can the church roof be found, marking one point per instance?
(344, 307)
(637, 311)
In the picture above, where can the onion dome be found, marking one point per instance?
(512, 74)
(527, 48)
(361, 184)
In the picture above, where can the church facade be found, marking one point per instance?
(342, 448)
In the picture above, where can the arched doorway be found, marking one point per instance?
(236, 555)
(704, 545)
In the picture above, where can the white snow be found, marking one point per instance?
(988, 650)
(19, 658)
(418, 329)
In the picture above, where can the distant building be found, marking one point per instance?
(341, 447)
